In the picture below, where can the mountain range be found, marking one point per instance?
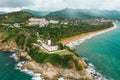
(85, 13)
(75, 13)
(37, 13)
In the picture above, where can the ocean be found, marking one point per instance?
(103, 51)
(8, 69)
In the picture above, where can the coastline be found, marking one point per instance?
(49, 72)
(72, 44)
(43, 71)
(96, 75)
(35, 76)
(74, 41)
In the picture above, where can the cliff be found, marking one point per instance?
(50, 72)
(9, 45)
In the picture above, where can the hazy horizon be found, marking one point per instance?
(54, 5)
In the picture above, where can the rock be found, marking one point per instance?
(81, 61)
(9, 45)
(25, 55)
(50, 72)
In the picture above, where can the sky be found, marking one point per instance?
(53, 5)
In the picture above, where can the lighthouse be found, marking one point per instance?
(49, 42)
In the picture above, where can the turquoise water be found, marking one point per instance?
(103, 51)
(7, 68)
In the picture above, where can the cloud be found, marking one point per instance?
(76, 4)
(11, 5)
(7, 9)
(16, 3)
(50, 4)
(83, 3)
(113, 4)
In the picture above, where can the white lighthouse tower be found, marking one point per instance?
(49, 42)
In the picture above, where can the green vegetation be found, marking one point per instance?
(61, 31)
(61, 47)
(56, 32)
(10, 33)
(23, 37)
(65, 61)
(16, 17)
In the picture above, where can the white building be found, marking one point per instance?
(53, 21)
(49, 47)
(106, 20)
(35, 21)
(41, 22)
(17, 25)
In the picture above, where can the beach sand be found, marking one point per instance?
(76, 40)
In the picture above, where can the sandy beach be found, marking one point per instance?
(78, 39)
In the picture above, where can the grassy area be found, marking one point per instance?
(65, 52)
(64, 61)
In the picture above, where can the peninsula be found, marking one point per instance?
(45, 43)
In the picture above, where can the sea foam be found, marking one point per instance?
(14, 55)
(97, 76)
(77, 42)
(35, 76)
(91, 70)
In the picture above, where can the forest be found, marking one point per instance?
(60, 31)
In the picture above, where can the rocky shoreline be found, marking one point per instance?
(47, 70)
(50, 72)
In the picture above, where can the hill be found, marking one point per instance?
(69, 13)
(85, 14)
(37, 13)
(108, 14)
(16, 17)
